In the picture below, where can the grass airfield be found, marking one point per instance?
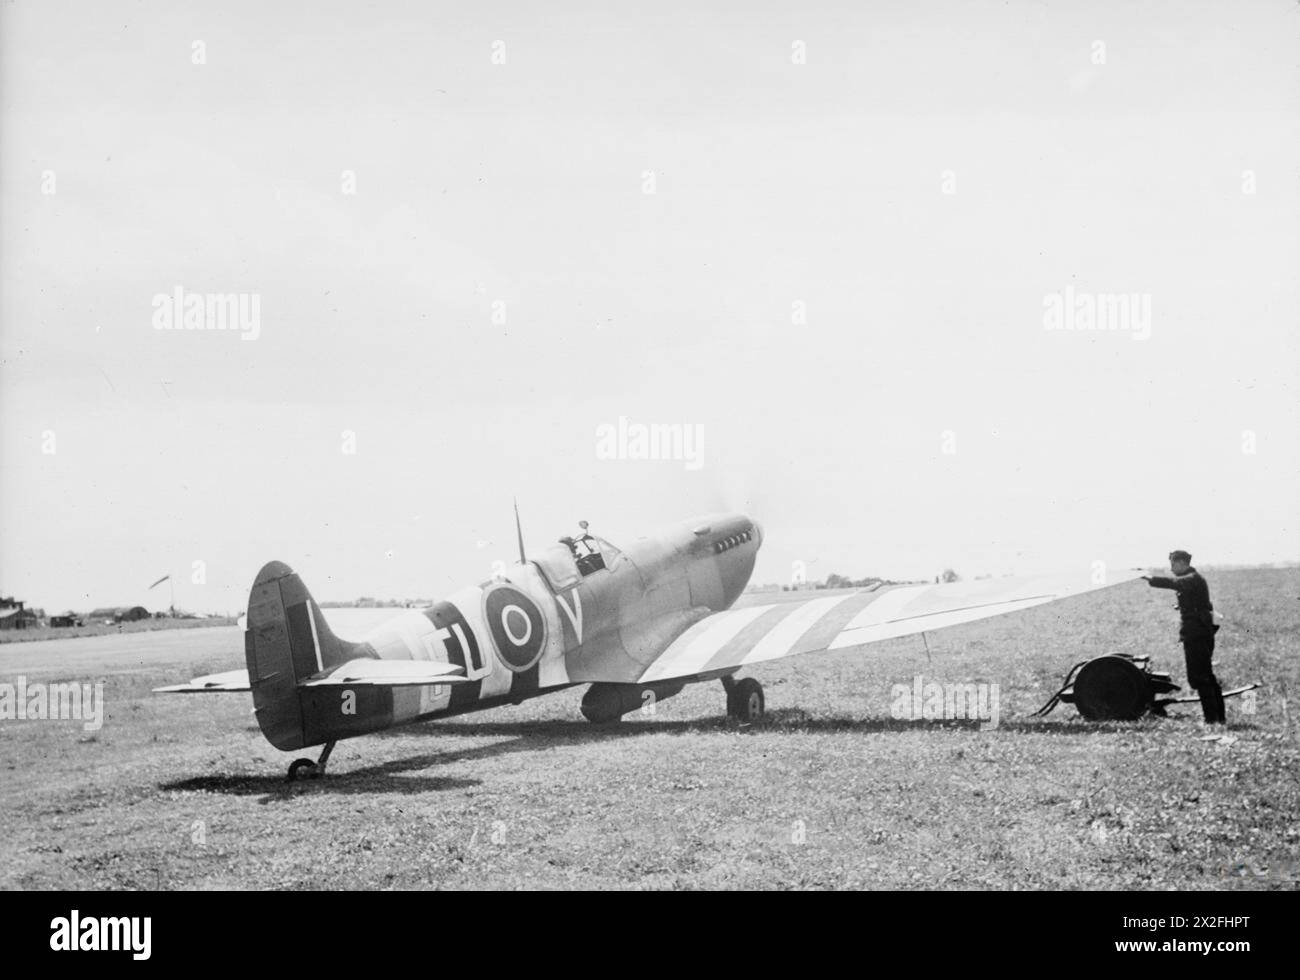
(829, 791)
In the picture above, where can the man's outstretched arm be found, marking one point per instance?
(1164, 582)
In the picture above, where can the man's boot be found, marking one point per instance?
(1212, 704)
(1220, 714)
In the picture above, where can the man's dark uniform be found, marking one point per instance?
(1197, 633)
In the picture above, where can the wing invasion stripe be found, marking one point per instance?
(690, 658)
(782, 629)
(888, 607)
(790, 630)
(829, 626)
(734, 651)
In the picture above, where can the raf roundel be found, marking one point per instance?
(517, 626)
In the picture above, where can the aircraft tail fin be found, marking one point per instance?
(286, 642)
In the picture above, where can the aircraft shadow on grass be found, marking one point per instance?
(787, 721)
(536, 736)
(386, 777)
(790, 721)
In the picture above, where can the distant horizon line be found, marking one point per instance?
(378, 602)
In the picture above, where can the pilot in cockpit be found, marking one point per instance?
(585, 550)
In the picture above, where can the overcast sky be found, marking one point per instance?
(826, 234)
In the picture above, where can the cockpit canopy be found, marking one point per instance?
(566, 564)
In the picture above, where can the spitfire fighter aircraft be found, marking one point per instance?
(634, 622)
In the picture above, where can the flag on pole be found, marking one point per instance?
(161, 580)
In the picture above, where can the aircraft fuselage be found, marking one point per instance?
(539, 625)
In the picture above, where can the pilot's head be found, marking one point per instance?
(1179, 562)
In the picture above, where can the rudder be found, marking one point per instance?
(286, 641)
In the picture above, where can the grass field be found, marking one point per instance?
(829, 791)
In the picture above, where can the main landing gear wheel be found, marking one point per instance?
(745, 702)
(307, 769)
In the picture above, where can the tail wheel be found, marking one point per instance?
(311, 770)
(302, 768)
(745, 701)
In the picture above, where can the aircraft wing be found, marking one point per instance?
(230, 680)
(740, 637)
(369, 672)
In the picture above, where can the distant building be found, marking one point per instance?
(13, 615)
(119, 614)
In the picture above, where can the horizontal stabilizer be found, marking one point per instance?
(230, 680)
(369, 672)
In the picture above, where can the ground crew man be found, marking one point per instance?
(1196, 632)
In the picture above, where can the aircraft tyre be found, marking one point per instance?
(745, 701)
(309, 769)
(302, 768)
